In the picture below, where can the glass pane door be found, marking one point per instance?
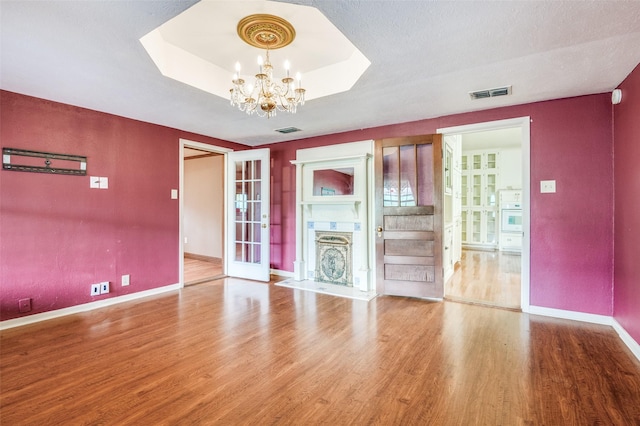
(407, 174)
(248, 209)
(248, 214)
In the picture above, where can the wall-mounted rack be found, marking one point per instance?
(25, 162)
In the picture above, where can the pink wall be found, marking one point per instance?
(58, 236)
(626, 308)
(571, 231)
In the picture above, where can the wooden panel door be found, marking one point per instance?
(408, 200)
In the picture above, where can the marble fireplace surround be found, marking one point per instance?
(348, 215)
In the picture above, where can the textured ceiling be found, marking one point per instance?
(425, 56)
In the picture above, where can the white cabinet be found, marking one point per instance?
(447, 252)
(479, 198)
(511, 242)
(452, 182)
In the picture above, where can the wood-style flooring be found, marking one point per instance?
(198, 271)
(239, 352)
(486, 277)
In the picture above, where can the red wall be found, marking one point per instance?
(627, 206)
(58, 236)
(571, 230)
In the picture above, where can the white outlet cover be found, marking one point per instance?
(125, 280)
(104, 183)
(547, 186)
(104, 287)
(174, 194)
(95, 289)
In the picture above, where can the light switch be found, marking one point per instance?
(94, 182)
(104, 183)
(174, 194)
(547, 186)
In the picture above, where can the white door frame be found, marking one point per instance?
(185, 143)
(524, 124)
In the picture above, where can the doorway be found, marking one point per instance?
(202, 219)
(485, 269)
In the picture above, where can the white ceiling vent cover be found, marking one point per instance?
(286, 130)
(490, 93)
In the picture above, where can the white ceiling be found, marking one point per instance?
(425, 58)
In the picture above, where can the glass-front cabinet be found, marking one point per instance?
(479, 198)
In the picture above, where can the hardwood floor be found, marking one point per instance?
(198, 271)
(486, 277)
(241, 352)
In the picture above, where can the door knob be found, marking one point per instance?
(264, 225)
(379, 229)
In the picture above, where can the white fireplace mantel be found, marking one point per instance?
(353, 210)
(354, 205)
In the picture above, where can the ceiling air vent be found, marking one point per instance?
(490, 93)
(286, 130)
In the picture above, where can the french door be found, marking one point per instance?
(408, 173)
(248, 209)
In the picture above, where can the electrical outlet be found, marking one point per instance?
(24, 305)
(125, 280)
(547, 186)
(104, 287)
(95, 289)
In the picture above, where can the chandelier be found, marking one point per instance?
(266, 96)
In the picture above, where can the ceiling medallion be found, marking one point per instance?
(266, 31)
(266, 95)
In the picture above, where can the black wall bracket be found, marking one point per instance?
(22, 160)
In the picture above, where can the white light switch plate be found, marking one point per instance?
(125, 280)
(174, 194)
(104, 183)
(94, 182)
(547, 186)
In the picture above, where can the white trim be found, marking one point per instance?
(281, 273)
(626, 338)
(17, 322)
(525, 124)
(571, 315)
(186, 143)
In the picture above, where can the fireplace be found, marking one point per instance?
(334, 209)
(334, 260)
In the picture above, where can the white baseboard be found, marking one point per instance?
(30, 319)
(280, 273)
(570, 315)
(627, 339)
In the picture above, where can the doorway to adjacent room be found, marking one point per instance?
(485, 262)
